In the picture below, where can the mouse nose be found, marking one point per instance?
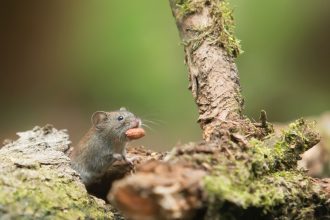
(136, 123)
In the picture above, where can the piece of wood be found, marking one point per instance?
(37, 182)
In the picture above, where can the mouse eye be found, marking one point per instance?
(120, 118)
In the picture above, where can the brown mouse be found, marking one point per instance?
(104, 143)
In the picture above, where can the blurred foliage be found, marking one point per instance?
(62, 60)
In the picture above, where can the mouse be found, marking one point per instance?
(104, 143)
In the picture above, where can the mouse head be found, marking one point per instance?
(115, 124)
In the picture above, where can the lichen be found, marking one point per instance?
(224, 21)
(37, 182)
(220, 31)
(263, 179)
(187, 7)
(280, 193)
(44, 194)
(282, 152)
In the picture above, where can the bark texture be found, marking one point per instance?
(37, 182)
(205, 28)
(233, 178)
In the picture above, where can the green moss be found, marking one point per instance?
(282, 152)
(219, 32)
(256, 178)
(187, 7)
(262, 180)
(47, 196)
(281, 193)
(223, 16)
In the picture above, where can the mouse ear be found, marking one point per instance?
(98, 118)
(122, 109)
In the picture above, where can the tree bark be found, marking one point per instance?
(210, 48)
(37, 182)
(233, 178)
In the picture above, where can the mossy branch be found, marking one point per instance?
(232, 178)
(218, 31)
(206, 28)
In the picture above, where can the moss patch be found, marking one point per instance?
(220, 31)
(187, 7)
(281, 193)
(44, 194)
(251, 178)
(282, 152)
(225, 28)
(37, 182)
(263, 181)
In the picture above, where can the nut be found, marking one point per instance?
(135, 133)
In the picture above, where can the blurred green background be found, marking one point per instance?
(62, 60)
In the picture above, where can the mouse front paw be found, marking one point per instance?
(120, 159)
(117, 157)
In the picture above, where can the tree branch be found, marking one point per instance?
(228, 179)
(206, 29)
